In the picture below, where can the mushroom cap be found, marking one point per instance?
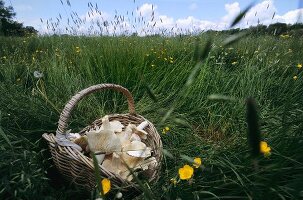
(104, 141)
(143, 125)
(100, 158)
(114, 125)
(73, 136)
(142, 133)
(135, 137)
(125, 135)
(113, 163)
(82, 142)
(137, 149)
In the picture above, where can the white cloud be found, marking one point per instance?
(261, 13)
(146, 10)
(192, 24)
(232, 11)
(193, 6)
(291, 17)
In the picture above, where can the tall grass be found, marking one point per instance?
(201, 126)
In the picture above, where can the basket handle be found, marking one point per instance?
(65, 114)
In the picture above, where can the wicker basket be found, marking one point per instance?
(78, 168)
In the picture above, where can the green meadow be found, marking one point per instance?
(200, 96)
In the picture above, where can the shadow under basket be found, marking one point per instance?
(78, 168)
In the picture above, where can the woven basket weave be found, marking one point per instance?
(78, 168)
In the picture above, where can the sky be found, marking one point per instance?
(148, 17)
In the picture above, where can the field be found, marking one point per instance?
(204, 106)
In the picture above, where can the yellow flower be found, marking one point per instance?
(166, 130)
(234, 63)
(105, 185)
(77, 49)
(299, 65)
(295, 77)
(285, 36)
(173, 181)
(153, 65)
(197, 162)
(186, 172)
(264, 148)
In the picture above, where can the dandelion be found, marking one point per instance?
(299, 66)
(153, 65)
(186, 172)
(38, 74)
(295, 77)
(165, 130)
(234, 63)
(265, 149)
(197, 162)
(105, 185)
(173, 181)
(119, 195)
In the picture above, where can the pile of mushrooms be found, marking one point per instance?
(116, 149)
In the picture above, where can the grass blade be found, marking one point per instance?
(234, 38)
(241, 15)
(253, 127)
(97, 173)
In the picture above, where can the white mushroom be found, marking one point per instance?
(104, 140)
(113, 163)
(100, 158)
(145, 164)
(142, 164)
(115, 125)
(139, 130)
(143, 125)
(73, 136)
(137, 149)
(135, 137)
(125, 135)
(82, 142)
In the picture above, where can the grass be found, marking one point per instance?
(208, 118)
